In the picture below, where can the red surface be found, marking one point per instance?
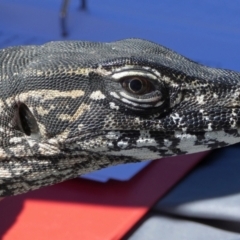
(87, 210)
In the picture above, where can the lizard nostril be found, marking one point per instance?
(28, 123)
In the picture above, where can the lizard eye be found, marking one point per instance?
(139, 90)
(136, 85)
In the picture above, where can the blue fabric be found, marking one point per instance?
(217, 176)
(205, 31)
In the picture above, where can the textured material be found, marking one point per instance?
(166, 227)
(211, 191)
(204, 205)
(87, 210)
(68, 108)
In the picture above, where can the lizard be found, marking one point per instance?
(71, 107)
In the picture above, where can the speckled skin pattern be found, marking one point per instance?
(68, 108)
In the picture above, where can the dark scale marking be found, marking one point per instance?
(87, 119)
(233, 132)
(217, 144)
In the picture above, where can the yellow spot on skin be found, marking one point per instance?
(97, 95)
(86, 71)
(40, 73)
(83, 107)
(79, 71)
(46, 94)
(3, 154)
(41, 111)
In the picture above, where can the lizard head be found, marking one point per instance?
(72, 107)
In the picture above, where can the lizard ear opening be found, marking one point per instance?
(27, 121)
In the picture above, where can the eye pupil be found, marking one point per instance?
(135, 85)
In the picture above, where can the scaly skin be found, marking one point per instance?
(68, 108)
